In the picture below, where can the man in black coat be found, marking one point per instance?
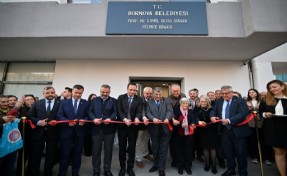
(42, 112)
(130, 107)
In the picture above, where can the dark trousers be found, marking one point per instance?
(26, 149)
(34, 160)
(196, 144)
(127, 135)
(98, 140)
(7, 164)
(72, 144)
(88, 141)
(160, 148)
(172, 146)
(184, 151)
(234, 147)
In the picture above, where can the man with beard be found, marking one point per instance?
(103, 109)
(42, 112)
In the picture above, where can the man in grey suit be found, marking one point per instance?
(159, 110)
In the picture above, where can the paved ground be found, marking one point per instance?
(197, 168)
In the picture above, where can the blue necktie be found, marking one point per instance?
(75, 106)
(227, 114)
(227, 110)
(129, 102)
(157, 103)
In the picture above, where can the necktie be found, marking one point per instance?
(129, 102)
(227, 110)
(49, 107)
(157, 103)
(227, 114)
(75, 106)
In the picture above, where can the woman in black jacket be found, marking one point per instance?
(274, 109)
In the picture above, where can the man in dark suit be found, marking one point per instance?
(42, 112)
(103, 108)
(72, 134)
(159, 110)
(232, 111)
(130, 107)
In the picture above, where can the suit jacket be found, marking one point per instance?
(143, 126)
(135, 109)
(66, 112)
(164, 111)
(276, 125)
(38, 112)
(97, 111)
(238, 112)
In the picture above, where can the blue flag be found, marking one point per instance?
(11, 139)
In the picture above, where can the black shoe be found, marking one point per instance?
(122, 172)
(96, 174)
(88, 154)
(180, 171)
(214, 170)
(221, 163)
(188, 171)
(173, 164)
(200, 159)
(228, 173)
(206, 167)
(154, 168)
(108, 173)
(131, 172)
(161, 173)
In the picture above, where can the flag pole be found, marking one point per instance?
(23, 149)
(258, 143)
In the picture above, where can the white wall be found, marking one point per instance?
(262, 66)
(205, 76)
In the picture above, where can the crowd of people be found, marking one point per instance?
(211, 127)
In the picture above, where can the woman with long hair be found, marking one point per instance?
(253, 102)
(274, 110)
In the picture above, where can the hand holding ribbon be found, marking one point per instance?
(42, 122)
(137, 121)
(72, 122)
(97, 121)
(81, 122)
(107, 121)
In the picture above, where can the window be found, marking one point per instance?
(28, 78)
(282, 77)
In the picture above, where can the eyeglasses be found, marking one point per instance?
(226, 93)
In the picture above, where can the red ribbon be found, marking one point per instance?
(249, 117)
(191, 130)
(30, 123)
(54, 122)
(12, 112)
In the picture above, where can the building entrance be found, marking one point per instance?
(164, 83)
